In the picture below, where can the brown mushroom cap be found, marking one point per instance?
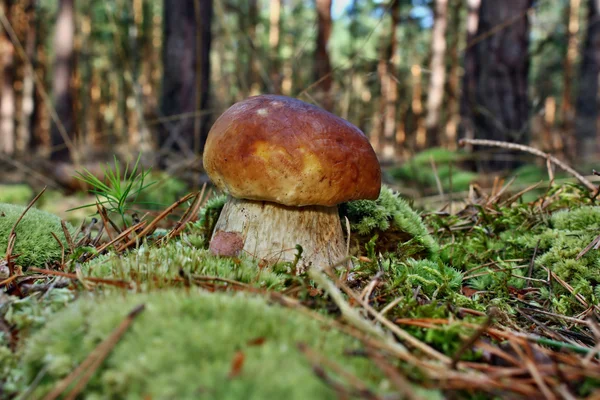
(286, 151)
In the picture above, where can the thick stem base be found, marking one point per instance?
(271, 231)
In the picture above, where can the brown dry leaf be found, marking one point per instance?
(237, 363)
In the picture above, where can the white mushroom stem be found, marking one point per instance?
(270, 232)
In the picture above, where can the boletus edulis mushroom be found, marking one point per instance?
(286, 165)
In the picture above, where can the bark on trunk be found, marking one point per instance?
(500, 108)
(467, 99)
(186, 50)
(322, 62)
(274, 37)
(453, 119)
(254, 81)
(389, 86)
(24, 129)
(7, 105)
(437, 67)
(270, 232)
(586, 123)
(64, 40)
(572, 19)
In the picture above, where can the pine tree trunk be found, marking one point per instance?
(322, 63)
(467, 99)
(7, 99)
(500, 105)
(27, 99)
(63, 69)
(254, 81)
(186, 49)
(274, 38)
(390, 86)
(588, 102)
(437, 80)
(453, 104)
(572, 20)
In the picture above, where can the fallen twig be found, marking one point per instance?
(531, 150)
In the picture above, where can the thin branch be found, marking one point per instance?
(530, 150)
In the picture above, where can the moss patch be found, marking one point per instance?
(183, 345)
(34, 242)
(156, 267)
(397, 226)
(24, 317)
(15, 194)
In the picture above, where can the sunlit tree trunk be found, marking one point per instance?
(500, 77)
(417, 107)
(62, 91)
(390, 86)
(322, 63)
(7, 99)
(588, 97)
(186, 49)
(572, 18)
(437, 67)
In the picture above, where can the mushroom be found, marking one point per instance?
(286, 166)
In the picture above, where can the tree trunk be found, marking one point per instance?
(453, 104)
(254, 81)
(420, 133)
(186, 50)
(24, 133)
(586, 123)
(389, 88)
(322, 63)
(274, 38)
(62, 135)
(7, 106)
(467, 99)
(572, 20)
(435, 94)
(500, 106)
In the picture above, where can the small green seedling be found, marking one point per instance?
(118, 194)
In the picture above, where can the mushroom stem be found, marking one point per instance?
(270, 232)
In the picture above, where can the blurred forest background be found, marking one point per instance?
(83, 80)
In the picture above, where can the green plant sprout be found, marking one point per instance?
(118, 194)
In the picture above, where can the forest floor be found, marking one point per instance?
(491, 295)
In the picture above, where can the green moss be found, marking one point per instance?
(208, 216)
(435, 278)
(34, 242)
(578, 219)
(155, 267)
(15, 194)
(24, 317)
(393, 220)
(183, 345)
